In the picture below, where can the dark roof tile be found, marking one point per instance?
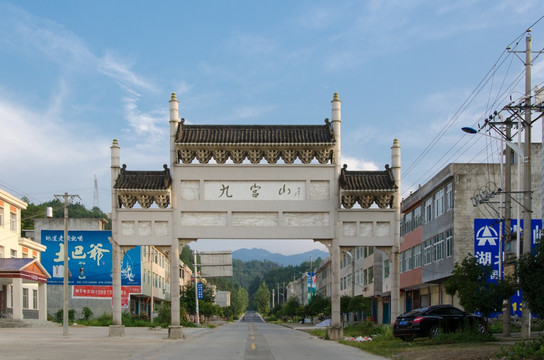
(143, 180)
(367, 180)
(14, 264)
(255, 134)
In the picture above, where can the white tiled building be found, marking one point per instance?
(23, 280)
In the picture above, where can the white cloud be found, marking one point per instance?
(53, 159)
(25, 31)
(357, 164)
(121, 71)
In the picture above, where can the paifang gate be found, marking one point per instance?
(254, 182)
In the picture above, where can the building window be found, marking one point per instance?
(406, 260)
(417, 217)
(449, 242)
(365, 276)
(25, 298)
(428, 210)
(439, 203)
(438, 247)
(449, 196)
(1, 252)
(386, 269)
(12, 221)
(370, 250)
(411, 259)
(1, 216)
(35, 299)
(417, 256)
(428, 252)
(13, 253)
(371, 275)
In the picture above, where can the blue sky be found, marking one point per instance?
(76, 74)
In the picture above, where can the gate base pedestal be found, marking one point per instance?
(336, 333)
(175, 332)
(117, 330)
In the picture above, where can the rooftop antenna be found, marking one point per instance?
(96, 201)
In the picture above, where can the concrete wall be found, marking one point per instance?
(55, 296)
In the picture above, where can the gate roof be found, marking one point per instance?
(300, 135)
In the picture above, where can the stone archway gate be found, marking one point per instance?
(227, 182)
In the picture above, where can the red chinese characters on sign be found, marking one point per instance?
(106, 292)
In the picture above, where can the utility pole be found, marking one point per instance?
(527, 202)
(197, 320)
(526, 107)
(67, 199)
(507, 221)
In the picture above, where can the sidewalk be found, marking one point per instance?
(85, 342)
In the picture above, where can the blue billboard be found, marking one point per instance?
(487, 248)
(89, 259)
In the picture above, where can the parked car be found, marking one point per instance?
(430, 321)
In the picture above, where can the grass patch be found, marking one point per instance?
(523, 350)
(385, 344)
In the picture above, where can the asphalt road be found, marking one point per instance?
(249, 339)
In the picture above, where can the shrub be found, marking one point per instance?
(59, 316)
(87, 313)
(366, 328)
(524, 350)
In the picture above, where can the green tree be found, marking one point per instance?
(186, 257)
(75, 211)
(530, 271)
(187, 297)
(344, 303)
(318, 305)
(261, 302)
(359, 303)
(208, 309)
(476, 292)
(292, 306)
(239, 301)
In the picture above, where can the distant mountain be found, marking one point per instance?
(284, 260)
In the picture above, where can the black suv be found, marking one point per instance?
(432, 320)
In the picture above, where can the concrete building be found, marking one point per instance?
(222, 298)
(324, 278)
(437, 228)
(23, 287)
(362, 274)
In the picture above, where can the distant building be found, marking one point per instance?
(23, 280)
(222, 298)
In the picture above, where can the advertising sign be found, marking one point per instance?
(200, 291)
(487, 248)
(216, 264)
(89, 259)
(311, 286)
(100, 292)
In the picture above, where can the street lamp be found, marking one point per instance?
(517, 149)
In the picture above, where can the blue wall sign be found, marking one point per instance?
(487, 248)
(89, 259)
(200, 291)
